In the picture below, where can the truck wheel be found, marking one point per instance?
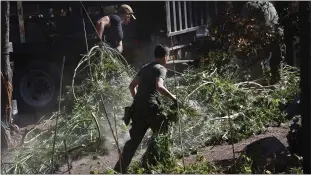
(37, 86)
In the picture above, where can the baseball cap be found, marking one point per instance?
(126, 9)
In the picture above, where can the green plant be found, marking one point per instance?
(296, 170)
(207, 94)
(243, 165)
(104, 91)
(207, 97)
(172, 166)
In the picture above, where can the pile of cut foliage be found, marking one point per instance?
(216, 107)
(210, 96)
(219, 101)
(99, 99)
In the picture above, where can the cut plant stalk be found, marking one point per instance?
(110, 125)
(59, 101)
(67, 156)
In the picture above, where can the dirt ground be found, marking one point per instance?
(97, 164)
(219, 154)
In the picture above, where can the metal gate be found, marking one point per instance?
(185, 16)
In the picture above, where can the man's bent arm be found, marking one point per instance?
(100, 26)
(133, 85)
(160, 88)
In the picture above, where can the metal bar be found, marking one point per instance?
(20, 15)
(174, 16)
(186, 15)
(180, 16)
(183, 31)
(190, 9)
(168, 17)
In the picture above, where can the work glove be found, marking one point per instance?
(128, 112)
(100, 43)
(126, 120)
(172, 114)
(176, 104)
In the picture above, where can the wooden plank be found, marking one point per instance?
(186, 15)
(207, 13)
(196, 22)
(174, 16)
(168, 16)
(184, 31)
(179, 61)
(190, 11)
(180, 46)
(180, 16)
(201, 16)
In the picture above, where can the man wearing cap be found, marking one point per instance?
(267, 16)
(111, 26)
(146, 107)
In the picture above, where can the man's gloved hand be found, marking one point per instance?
(176, 104)
(100, 43)
(128, 112)
(172, 114)
(126, 120)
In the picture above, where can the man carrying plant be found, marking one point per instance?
(146, 106)
(267, 16)
(111, 26)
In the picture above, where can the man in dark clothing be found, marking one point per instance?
(146, 105)
(111, 26)
(267, 16)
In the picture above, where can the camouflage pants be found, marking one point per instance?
(141, 122)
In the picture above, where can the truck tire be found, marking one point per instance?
(36, 86)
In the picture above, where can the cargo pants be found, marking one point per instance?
(141, 122)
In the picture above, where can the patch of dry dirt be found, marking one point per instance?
(90, 163)
(212, 154)
(225, 151)
(99, 163)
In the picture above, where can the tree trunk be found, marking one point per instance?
(6, 76)
(305, 37)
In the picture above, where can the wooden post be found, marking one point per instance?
(20, 14)
(6, 75)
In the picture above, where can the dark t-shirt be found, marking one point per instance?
(147, 96)
(114, 33)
